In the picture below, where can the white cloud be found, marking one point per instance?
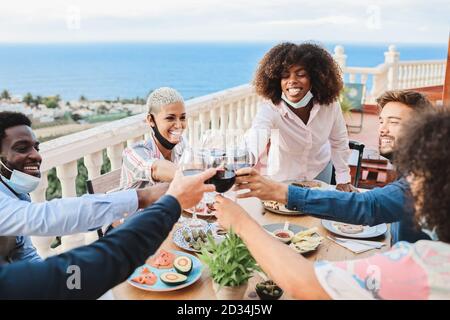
(219, 20)
(339, 20)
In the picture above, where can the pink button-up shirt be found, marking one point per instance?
(287, 148)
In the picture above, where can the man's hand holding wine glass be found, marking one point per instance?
(189, 190)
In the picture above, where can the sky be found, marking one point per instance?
(399, 21)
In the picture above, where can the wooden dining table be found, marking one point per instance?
(203, 290)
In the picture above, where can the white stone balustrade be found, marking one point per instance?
(417, 74)
(231, 108)
(392, 74)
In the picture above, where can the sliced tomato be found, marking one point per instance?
(150, 279)
(163, 259)
(145, 270)
(138, 279)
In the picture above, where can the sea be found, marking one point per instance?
(107, 71)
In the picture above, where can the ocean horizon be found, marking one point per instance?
(128, 70)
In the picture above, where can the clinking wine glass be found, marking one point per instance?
(192, 162)
(242, 156)
(225, 176)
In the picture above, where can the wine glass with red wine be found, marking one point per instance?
(225, 176)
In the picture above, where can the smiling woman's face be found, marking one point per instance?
(295, 83)
(171, 121)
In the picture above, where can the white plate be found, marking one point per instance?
(179, 240)
(295, 228)
(323, 185)
(282, 210)
(201, 214)
(285, 211)
(368, 232)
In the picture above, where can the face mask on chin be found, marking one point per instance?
(302, 103)
(19, 181)
(164, 142)
(430, 232)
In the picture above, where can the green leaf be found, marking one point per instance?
(230, 262)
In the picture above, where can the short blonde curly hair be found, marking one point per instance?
(162, 97)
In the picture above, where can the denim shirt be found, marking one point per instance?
(380, 205)
(24, 249)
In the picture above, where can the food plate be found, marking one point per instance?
(201, 212)
(179, 239)
(305, 240)
(354, 231)
(279, 208)
(313, 184)
(192, 277)
(276, 207)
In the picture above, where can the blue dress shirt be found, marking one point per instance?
(62, 216)
(19, 217)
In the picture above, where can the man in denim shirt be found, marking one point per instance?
(381, 205)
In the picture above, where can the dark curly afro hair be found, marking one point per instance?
(423, 154)
(324, 72)
(11, 119)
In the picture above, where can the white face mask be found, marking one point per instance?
(431, 233)
(19, 181)
(302, 103)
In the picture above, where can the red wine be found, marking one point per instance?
(223, 180)
(192, 172)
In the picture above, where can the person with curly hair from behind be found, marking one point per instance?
(300, 127)
(417, 270)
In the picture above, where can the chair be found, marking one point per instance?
(354, 95)
(353, 145)
(105, 183)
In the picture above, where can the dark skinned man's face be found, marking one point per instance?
(20, 151)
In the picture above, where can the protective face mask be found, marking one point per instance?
(164, 142)
(19, 181)
(302, 103)
(431, 233)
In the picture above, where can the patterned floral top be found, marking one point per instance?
(138, 160)
(407, 271)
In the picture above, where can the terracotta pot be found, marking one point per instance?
(230, 293)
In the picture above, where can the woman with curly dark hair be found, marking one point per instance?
(423, 156)
(300, 127)
(419, 270)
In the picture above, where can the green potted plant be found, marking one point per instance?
(230, 264)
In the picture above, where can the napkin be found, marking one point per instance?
(357, 246)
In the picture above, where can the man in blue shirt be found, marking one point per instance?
(19, 218)
(380, 205)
